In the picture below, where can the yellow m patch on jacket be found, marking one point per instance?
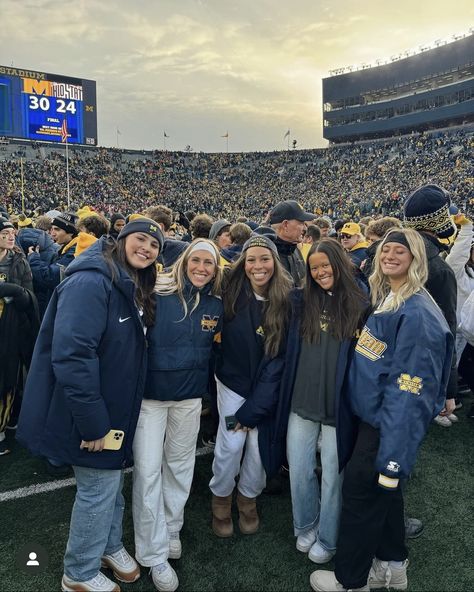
(410, 385)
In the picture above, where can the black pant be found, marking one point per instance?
(466, 366)
(372, 520)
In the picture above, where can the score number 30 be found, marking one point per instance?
(44, 104)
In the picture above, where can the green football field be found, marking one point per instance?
(440, 493)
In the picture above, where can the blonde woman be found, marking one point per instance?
(396, 384)
(188, 314)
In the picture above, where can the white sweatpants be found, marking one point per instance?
(164, 450)
(229, 449)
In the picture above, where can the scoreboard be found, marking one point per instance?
(40, 106)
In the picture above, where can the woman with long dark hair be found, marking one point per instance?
(396, 384)
(327, 314)
(84, 391)
(256, 312)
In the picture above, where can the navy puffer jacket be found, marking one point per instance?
(89, 366)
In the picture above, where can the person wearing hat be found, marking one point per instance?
(288, 219)
(19, 323)
(354, 243)
(395, 384)
(220, 234)
(172, 247)
(189, 318)
(84, 390)
(117, 222)
(47, 275)
(426, 210)
(256, 313)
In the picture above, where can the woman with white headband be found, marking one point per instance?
(188, 313)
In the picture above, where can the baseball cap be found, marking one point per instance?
(289, 210)
(350, 228)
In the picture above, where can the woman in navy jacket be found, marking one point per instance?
(188, 313)
(86, 379)
(396, 384)
(248, 369)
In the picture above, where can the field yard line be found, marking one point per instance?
(38, 488)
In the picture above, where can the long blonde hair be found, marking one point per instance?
(174, 281)
(416, 278)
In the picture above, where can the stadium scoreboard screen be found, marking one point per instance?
(40, 106)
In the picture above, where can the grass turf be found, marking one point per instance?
(440, 494)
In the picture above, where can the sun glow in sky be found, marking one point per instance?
(198, 69)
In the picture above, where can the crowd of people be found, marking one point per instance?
(355, 180)
(327, 336)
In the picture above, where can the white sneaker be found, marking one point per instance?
(326, 581)
(453, 418)
(164, 577)
(124, 566)
(99, 583)
(318, 553)
(305, 541)
(443, 421)
(384, 575)
(175, 548)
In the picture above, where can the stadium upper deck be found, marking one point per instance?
(432, 89)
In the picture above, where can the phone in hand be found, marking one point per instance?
(114, 440)
(230, 422)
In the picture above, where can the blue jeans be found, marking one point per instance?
(312, 509)
(96, 521)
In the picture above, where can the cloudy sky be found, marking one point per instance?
(198, 69)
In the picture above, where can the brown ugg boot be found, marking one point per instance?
(248, 517)
(222, 516)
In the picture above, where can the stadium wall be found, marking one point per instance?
(432, 89)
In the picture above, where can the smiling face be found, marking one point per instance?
(259, 268)
(141, 250)
(321, 270)
(395, 260)
(200, 268)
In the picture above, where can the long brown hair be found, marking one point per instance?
(276, 307)
(345, 305)
(144, 279)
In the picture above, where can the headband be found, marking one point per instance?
(204, 246)
(396, 237)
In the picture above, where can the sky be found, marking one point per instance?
(201, 69)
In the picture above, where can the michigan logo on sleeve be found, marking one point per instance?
(410, 385)
(209, 323)
(369, 346)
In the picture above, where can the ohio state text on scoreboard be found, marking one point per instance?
(34, 105)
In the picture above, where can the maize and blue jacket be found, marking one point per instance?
(396, 382)
(180, 347)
